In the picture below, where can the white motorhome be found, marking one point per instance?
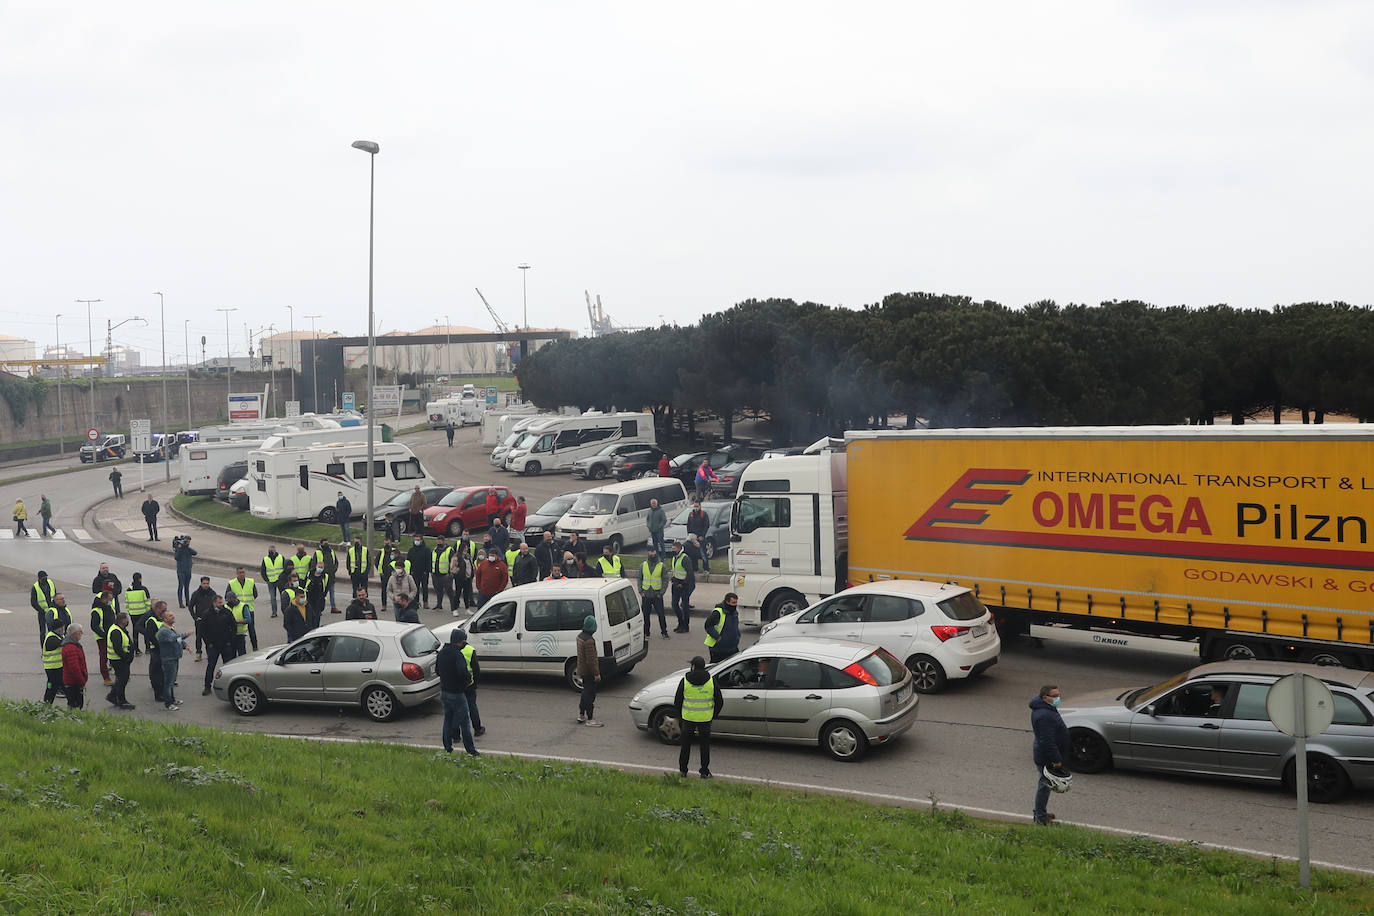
(518, 427)
(201, 461)
(497, 426)
(305, 482)
(563, 440)
(471, 409)
(461, 411)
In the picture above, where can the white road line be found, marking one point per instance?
(58, 535)
(81, 534)
(905, 800)
(6, 534)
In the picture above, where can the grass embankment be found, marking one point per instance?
(114, 815)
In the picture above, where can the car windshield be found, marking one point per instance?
(527, 440)
(963, 606)
(1150, 694)
(608, 449)
(681, 461)
(455, 498)
(419, 641)
(681, 517)
(556, 506)
(400, 499)
(512, 438)
(594, 504)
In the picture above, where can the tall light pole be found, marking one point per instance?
(314, 376)
(62, 367)
(524, 298)
(166, 448)
(90, 350)
(186, 342)
(228, 365)
(290, 355)
(372, 149)
(448, 346)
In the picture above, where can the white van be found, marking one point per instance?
(617, 514)
(567, 439)
(304, 482)
(533, 628)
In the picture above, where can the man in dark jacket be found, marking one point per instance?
(722, 628)
(421, 564)
(454, 680)
(500, 535)
(526, 567)
(695, 712)
(201, 602)
(360, 608)
(698, 524)
(150, 510)
(216, 630)
(181, 549)
(329, 560)
(1050, 748)
(105, 577)
(343, 511)
(462, 575)
(547, 554)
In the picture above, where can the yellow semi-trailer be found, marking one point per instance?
(1229, 542)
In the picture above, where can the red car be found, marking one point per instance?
(465, 509)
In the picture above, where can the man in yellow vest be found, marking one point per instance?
(469, 652)
(40, 597)
(137, 602)
(355, 561)
(153, 623)
(608, 564)
(52, 660)
(680, 568)
(441, 568)
(302, 563)
(698, 702)
(120, 651)
(246, 590)
(102, 616)
(651, 593)
(294, 615)
(274, 574)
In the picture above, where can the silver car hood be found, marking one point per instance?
(1099, 699)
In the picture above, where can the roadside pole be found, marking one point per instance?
(1301, 706)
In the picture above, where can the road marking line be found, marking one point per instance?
(81, 534)
(58, 535)
(905, 800)
(6, 535)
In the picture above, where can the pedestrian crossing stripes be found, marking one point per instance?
(80, 534)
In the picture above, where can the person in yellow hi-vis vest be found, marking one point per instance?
(698, 702)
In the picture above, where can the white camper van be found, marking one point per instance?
(471, 408)
(518, 426)
(563, 440)
(305, 482)
(202, 461)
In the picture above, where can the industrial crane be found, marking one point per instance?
(602, 323)
(500, 325)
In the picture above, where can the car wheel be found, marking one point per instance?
(617, 544)
(1326, 779)
(455, 528)
(246, 698)
(708, 548)
(926, 674)
(596, 471)
(328, 516)
(664, 726)
(532, 469)
(783, 603)
(571, 676)
(379, 704)
(1088, 751)
(844, 741)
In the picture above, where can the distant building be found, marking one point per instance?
(122, 360)
(17, 348)
(283, 351)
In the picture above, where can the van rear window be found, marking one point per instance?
(622, 605)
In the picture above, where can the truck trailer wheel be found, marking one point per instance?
(1234, 650)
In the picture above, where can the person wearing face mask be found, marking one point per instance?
(1050, 748)
(421, 564)
(491, 576)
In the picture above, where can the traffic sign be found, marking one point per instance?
(141, 436)
(349, 400)
(92, 434)
(492, 394)
(1301, 706)
(293, 408)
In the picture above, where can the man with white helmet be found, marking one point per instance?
(1050, 750)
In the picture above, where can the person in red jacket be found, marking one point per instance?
(493, 507)
(74, 673)
(665, 467)
(517, 521)
(491, 576)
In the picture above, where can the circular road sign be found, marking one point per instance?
(1318, 706)
(93, 434)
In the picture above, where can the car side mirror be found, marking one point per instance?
(1149, 710)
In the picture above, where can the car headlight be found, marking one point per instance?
(767, 627)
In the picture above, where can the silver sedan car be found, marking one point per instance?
(839, 694)
(379, 665)
(1212, 721)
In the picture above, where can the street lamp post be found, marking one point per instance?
(291, 353)
(314, 360)
(90, 350)
(524, 297)
(186, 342)
(371, 149)
(166, 449)
(228, 364)
(61, 436)
(448, 346)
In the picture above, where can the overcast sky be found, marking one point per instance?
(673, 159)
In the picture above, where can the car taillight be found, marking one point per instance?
(947, 633)
(412, 671)
(607, 648)
(859, 671)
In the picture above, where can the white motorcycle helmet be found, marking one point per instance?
(1059, 782)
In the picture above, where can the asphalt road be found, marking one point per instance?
(971, 747)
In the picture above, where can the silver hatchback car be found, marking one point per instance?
(1212, 721)
(379, 665)
(842, 695)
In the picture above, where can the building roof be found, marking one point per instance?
(286, 336)
(18, 339)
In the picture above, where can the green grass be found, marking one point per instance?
(213, 512)
(108, 814)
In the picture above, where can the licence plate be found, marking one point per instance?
(622, 651)
(980, 630)
(903, 695)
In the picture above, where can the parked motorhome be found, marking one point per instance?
(305, 482)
